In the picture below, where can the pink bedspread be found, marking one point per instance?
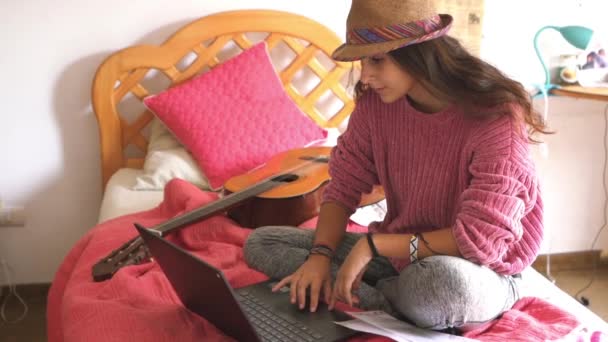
(138, 303)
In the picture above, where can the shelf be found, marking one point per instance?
(600, 94)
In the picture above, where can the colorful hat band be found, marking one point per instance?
(427, 28)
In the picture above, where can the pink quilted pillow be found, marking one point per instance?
(234, 117)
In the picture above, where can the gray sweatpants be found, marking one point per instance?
(438, 292)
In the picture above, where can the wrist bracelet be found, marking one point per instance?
(427, 245)
(372, 246)
(321, 250)
(414, 248)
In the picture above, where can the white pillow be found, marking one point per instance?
(162, 166)
(167, 159)
(161, 138)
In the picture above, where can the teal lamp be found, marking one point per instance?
(577, 36)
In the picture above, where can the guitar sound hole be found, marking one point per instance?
(286, 178)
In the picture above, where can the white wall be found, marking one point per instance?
(572, 175)
(571, 172)
(510, 26)
(49, 148)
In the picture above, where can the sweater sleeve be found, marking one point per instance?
(499, 222)
(351, 164)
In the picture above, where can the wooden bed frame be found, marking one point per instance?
(122, 73)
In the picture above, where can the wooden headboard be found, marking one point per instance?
(203, 43)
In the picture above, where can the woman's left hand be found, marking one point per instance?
(350, 274)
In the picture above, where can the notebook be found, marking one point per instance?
(252, 313)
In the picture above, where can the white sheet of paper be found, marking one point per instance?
(386, 325)
(359, 325)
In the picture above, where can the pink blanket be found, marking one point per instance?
(138, 303)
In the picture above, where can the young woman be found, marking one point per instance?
(445, 134)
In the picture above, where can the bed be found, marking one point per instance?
(141, 157)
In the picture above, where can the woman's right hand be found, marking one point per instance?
(313, 273)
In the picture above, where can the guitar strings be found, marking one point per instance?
(304, 162)
(299, 167)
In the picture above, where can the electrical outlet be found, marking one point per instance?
(12, 216)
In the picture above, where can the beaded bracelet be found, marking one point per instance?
(372, 246)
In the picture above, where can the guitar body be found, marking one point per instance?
(293, 202)
(291, 211)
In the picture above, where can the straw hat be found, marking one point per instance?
(380, 26)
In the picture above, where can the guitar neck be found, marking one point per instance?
(219, 206)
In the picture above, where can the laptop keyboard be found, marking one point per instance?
(272, 327)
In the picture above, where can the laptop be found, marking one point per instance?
(252, 313)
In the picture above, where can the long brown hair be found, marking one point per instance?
(444, 67)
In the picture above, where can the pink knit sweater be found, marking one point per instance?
(444, 170)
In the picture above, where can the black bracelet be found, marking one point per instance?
(372, 246)
(427, 245)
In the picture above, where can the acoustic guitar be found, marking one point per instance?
(295, 201)
(286, 190)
